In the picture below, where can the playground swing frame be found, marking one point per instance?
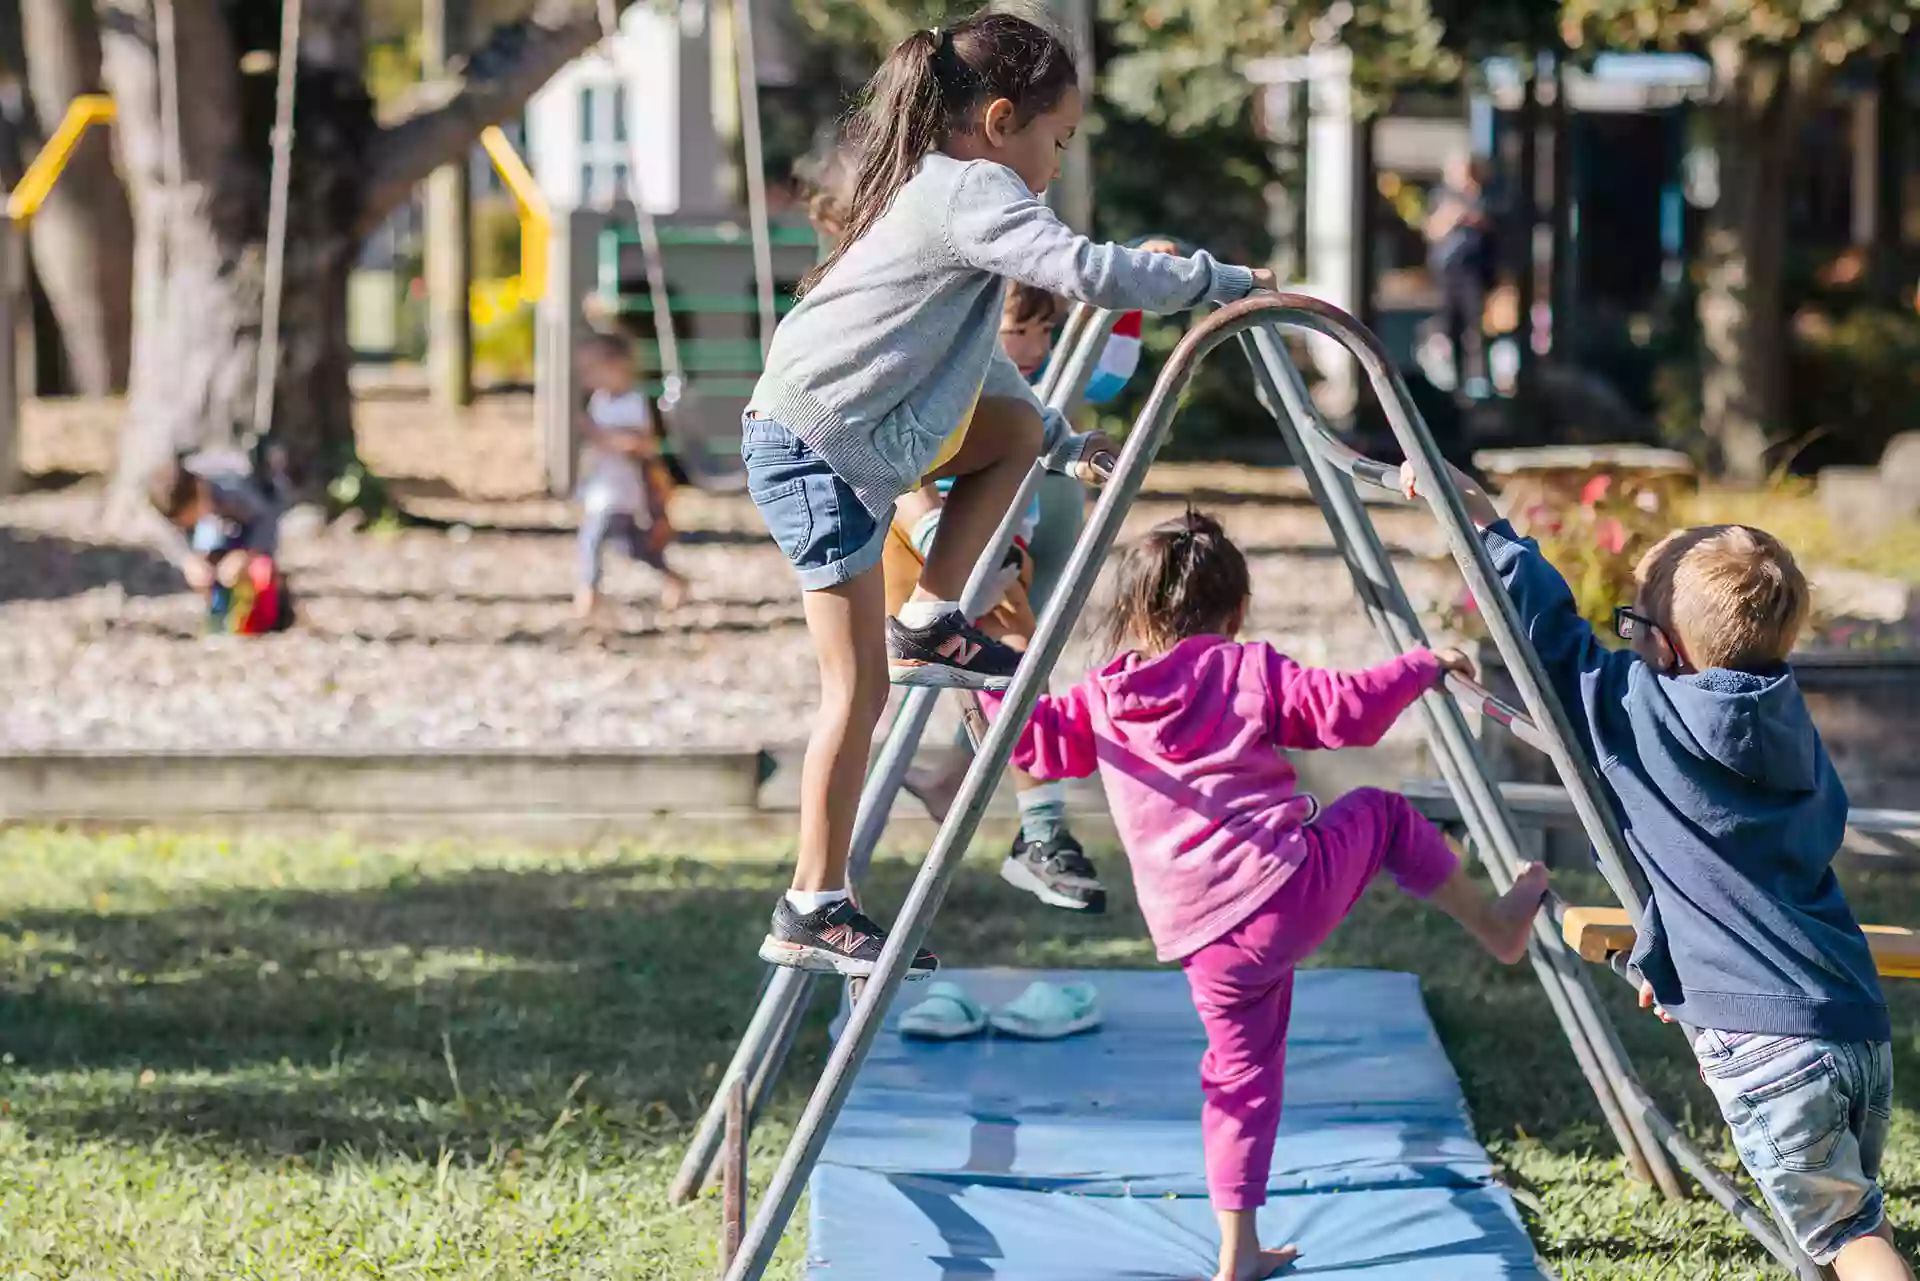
(1652, 1143)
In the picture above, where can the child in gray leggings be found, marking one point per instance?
(623, 496)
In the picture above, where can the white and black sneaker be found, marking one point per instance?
(948, 653)
(1057, 872)
(836, 939)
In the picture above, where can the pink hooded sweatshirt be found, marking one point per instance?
(1187, 746)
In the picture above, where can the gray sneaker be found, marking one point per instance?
(1057, 872)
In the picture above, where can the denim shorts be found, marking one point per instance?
(812, 514)
(1810, 1120)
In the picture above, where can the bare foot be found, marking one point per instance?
(673, 592)
(1510, 921)
(586, 604)
(1264, 1264)
(936, 787)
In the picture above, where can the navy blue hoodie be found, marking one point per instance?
(1734, 813)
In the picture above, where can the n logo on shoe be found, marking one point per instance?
(958, 650)
(842, 937)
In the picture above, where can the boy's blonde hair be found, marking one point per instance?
(1730, 595)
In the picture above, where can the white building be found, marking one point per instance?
(664, 83)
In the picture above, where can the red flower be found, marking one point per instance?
(1595, 490)
(1611, 536)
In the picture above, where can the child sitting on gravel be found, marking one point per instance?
(626, 487)
(226, 532)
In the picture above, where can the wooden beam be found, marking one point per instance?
(1598, 932)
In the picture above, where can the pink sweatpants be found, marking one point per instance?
(1243, 982)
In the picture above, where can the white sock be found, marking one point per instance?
(807, 902)
(918, 613)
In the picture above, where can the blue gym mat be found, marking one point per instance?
(1079, 1160)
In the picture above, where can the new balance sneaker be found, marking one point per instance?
(1057, 872)
(836, 939)
(948, 653)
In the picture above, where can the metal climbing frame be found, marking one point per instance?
(1332, 470)
(1644, 1133)
(784, 998)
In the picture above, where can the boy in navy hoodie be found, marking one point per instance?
(1733, 812)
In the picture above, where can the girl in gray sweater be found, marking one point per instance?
(888, 374)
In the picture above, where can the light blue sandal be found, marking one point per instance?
(946, 1014)
(1049, 1011)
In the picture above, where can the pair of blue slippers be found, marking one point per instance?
(1044, 1012)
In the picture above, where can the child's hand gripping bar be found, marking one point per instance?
(1088, 458)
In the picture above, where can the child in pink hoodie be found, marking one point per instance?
(1239, 875)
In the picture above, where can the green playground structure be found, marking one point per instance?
(711, 287)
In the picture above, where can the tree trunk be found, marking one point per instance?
(82, 237)
(199, 248)
(1743, 322)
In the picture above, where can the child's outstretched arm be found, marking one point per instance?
(1058, 740)
(997, 225)
(1312, 707)
(1583, 671)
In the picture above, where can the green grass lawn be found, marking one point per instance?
(327, 1059)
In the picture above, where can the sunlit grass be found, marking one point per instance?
(323, 1059)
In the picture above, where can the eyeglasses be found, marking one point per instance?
(1629, 625)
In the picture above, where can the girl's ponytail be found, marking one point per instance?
(926, 88)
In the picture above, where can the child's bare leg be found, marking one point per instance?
(847, 625)
(1872, 1258)
(1501, 925)
(1241, 1258)
(1002, 442)
(916, 507)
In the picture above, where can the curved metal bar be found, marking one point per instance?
(1503, 620)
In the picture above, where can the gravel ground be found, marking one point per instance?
(422, 639)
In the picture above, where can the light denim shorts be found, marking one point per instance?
(1810, 1120)
(826, 533)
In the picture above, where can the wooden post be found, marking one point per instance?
(733, 1175)
(1527, 214)
(1560, 279)
(12, 300)
(1890, 185)
(449, 226)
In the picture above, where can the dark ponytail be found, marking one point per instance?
(926, 90)
(1185, 578)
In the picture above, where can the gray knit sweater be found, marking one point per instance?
(882, 360)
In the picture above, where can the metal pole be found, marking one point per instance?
(956, 833)
(1569, 992)
(733, 1188)
(673, 377)
(279, 184)
(747, 75)
(449, 230)
(763, 1049)
(12, 272)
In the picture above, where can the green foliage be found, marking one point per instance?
(1854, 383)
(1822, 31)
